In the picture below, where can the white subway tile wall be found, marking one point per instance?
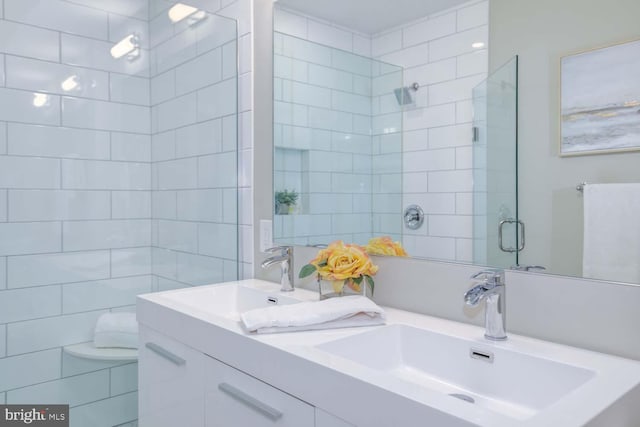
(57, 142)
(18, 106)
(33, 74)
(3, 342)
(116, 411)
(36, 42)
(2, 73)
(29, 369)
(57, 268)
(3, 274)
(97, 158)
(437, 53)
(3, 138)
(324, 109)
(74, 391)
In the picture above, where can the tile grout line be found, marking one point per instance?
(63, 377)
(109, 26)
(61, 95)
(82, 67)
(66, 33)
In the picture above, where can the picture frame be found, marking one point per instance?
(600, 100)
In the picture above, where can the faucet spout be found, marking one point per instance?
(285, 260)
(274, 260)
(491, 289)
(474, 295)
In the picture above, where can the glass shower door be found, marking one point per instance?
(498, 235)
(194, 121)
(118, 176)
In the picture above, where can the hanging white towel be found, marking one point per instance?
(343, 312)
(612, 232)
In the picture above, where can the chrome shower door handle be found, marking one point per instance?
(500, 235)
(521, 240)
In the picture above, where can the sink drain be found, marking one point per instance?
(463, 397)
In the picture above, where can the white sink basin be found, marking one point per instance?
(514, 384)
(229, 301)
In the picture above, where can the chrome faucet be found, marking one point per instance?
(285, 260)
(491, 289)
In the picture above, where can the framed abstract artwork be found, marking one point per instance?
(600, 100)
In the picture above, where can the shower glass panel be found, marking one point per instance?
(118, 176)
(338, 145)
(495, 135)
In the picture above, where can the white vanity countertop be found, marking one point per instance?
(367, 397)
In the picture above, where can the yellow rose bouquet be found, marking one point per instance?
(385, 246)
(342, 264)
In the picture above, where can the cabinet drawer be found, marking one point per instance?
(170, 382)
(235, 399)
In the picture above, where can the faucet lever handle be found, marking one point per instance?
(284, 250)
(491, 277)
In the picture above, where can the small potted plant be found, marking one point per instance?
(285, 200)
(341, 269)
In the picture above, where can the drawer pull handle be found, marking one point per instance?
(266, 410)
(176, 360)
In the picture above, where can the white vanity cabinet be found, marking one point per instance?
(325, 419)
(170, 382)
(181, 386)
(235, 399)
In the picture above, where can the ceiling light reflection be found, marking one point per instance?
(70, 83)
(179, 11)
(197, 17)
(129, 46)
(40, 99)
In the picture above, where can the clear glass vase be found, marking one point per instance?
(332, 289)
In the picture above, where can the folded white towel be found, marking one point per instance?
(343, 312)
(116, 330)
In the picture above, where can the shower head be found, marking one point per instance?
(403, 96)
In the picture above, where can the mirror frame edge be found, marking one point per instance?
(262, 129)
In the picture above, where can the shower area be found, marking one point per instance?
(338, 143)
(118, 176)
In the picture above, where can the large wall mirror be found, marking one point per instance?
(377, 108)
